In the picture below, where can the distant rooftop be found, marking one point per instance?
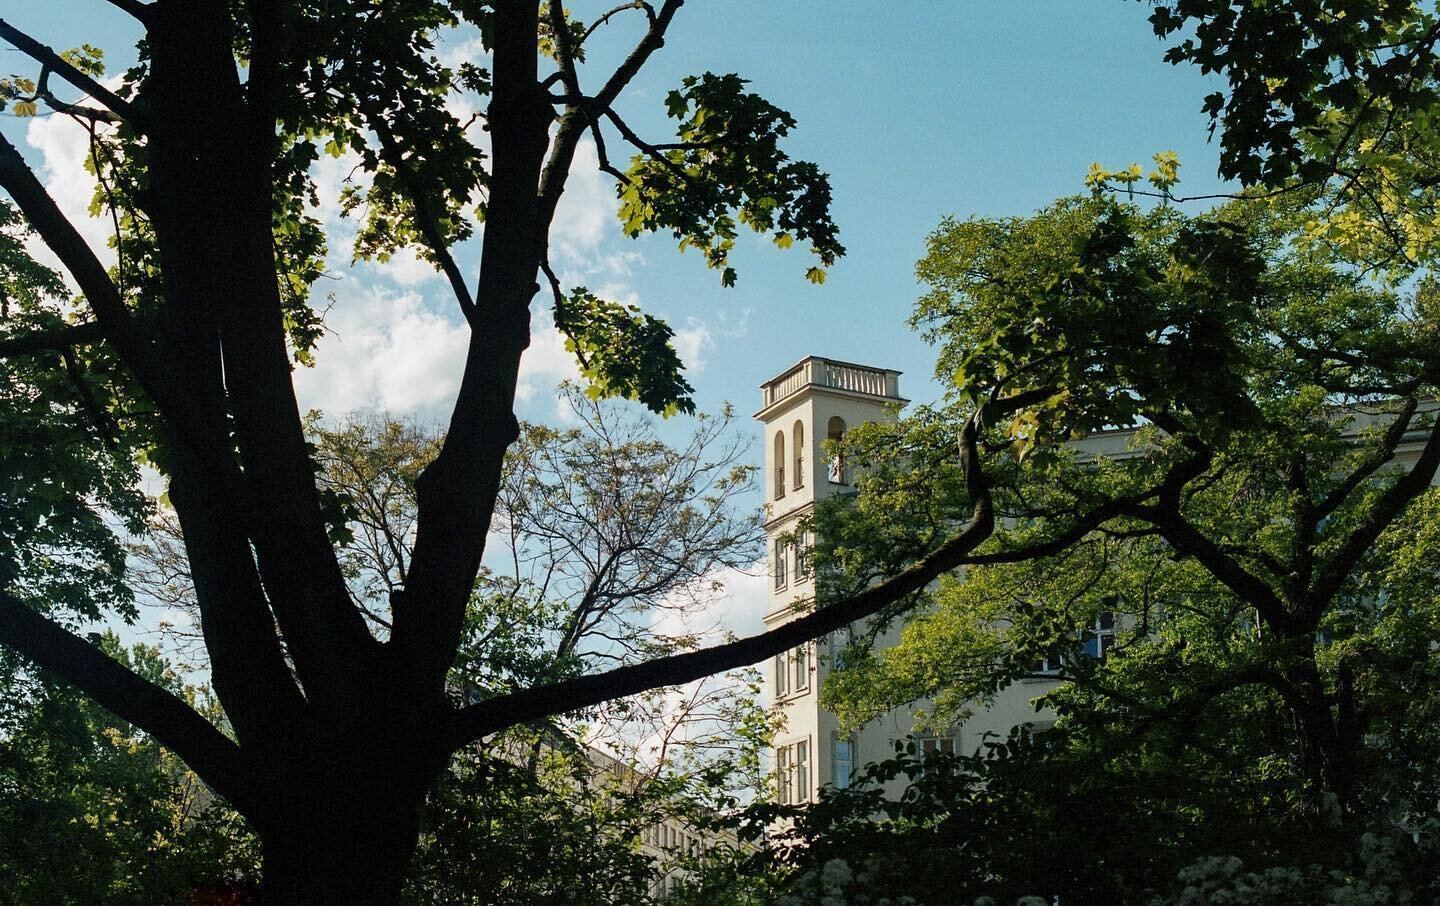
(830, 374)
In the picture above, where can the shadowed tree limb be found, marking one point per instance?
(130, 697)
(457, 491)
(483, 718)
(1333, 573)
(425, 217)
(1382, 455)
(41, 212)
(56, 63)
(140, 11)
(52, 340)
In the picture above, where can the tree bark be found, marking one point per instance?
(1327, 760)
(349, 846)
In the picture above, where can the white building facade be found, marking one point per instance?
(821, 398)
(816, 400)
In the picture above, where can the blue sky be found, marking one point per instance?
(921, 110)
(926, 109)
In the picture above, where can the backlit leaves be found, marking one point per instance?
(727, 170)
(624, 352)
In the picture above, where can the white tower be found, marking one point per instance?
(802, 407)
(817, 399)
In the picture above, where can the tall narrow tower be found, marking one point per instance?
(815, 400)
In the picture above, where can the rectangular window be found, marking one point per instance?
(782, 557)
(802, 558)
(929, 745)
(782, 674)
(802, 771)
(1051, 666)
(792, 772)
(782, 773)
(1101, 637)
(842, 761)
(800, 664)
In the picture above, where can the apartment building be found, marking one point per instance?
(818, 399)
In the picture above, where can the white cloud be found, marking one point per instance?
(332, 175)
(545, 364)
(741, 608)
(586, 213)
(692, 342)
(737, 606)
(407, 268)
(64, 146)
(385, 350)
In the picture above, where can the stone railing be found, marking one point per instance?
(837, 375)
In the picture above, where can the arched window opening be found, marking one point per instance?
(834, 431)
(779, 464)
(797, 444)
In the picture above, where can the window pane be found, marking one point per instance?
(843, 762)
(802, 772)
(782, 773)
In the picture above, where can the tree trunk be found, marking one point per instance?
(1327, 760)
(353, 850)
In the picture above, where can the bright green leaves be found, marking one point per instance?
(1164, 177)
(624, 352)
(1090, 315)
(95, 810)
(382, 93)
(20, 93)
(726, 170)
(1339, 95)
(547, 41)
(1301, 72)
(87, 58)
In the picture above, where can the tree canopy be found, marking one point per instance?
(180, 357)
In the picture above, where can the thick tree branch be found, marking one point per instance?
(1334, 571)
(653, 40)
(564, 52)
(581, 112)
(93, 114)
(456, 492)
(54, 62)
(478, 720)
(140, 11)
(247, 662)
(1189, 540)
(52, 340)
(89, 274)
(177, 726)
(1382, 455)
